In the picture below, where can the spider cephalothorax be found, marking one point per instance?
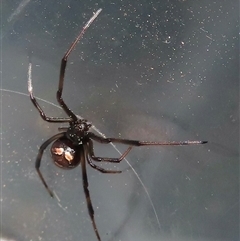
(77, 131)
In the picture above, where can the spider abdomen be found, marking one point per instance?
(65, 154)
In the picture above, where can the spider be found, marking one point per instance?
(74, 144)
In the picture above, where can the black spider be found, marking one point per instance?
(74, 145)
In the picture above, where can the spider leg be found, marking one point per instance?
(39, 158)
(64, 64)
(100, 169)
(142, 143)
(87, 194)
(106, 159)
(35, 103)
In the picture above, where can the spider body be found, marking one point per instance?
(74, 145)
(65, 153)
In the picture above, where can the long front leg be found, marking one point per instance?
(60, 89)
(142, 143)
(35, 103)
(39, 158)
(64, 64)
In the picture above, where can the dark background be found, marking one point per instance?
(148, 70)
